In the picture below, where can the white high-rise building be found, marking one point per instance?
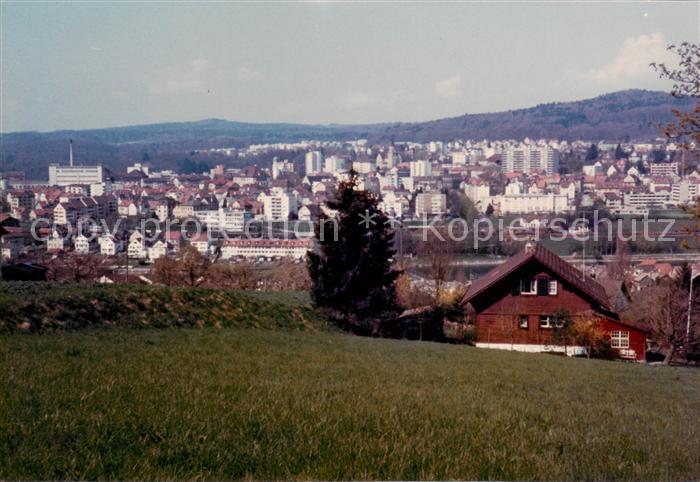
(430, 204)
(313, 161)
(459, 158)
(421, 169)
(479, 192)
(278, 205)
(229, 220)
(279, 167)
(684, 192)
(364, 167)
(663, 169)
(530, 158)
(435, 147)
(334, 164)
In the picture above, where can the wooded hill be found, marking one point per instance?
(619, 116)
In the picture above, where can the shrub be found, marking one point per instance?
(9, 312)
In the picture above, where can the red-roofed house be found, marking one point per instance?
(514, 306)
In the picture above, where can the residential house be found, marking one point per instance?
(128, 208)
(515, 306)
(157, 250)
(137, 246)
(201, 243)
(81, 244)
(55, 242)
(109, 245)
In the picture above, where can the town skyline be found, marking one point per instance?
(334, 239)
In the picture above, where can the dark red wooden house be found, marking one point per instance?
(515, 306)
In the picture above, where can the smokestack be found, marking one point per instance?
(71, 152)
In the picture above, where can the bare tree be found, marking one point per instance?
(686, 128)
(188, 268)
(193, 265)
(166, 271)
(686, 80)
(621, 267)
(666, 316)
(76, 267)
(439, 255)
(240, 276)
(460, 205)
(290, 276)
(665, 309)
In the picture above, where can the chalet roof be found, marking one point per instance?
(613, 288)
(550, 260)
(7, 217)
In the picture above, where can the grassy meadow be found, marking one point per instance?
(247, 403)
(41, 307)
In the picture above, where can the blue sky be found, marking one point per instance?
(85, 65)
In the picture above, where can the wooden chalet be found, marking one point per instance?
(514, 306)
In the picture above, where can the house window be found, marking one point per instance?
(552, 287)
(515, 289)
(546, 321)
(528, 286)
(522, 322)
(620, 339)
(542, 286)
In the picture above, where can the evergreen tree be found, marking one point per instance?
(640, 167)
(619, 152)
(592, 153)
(351, 268)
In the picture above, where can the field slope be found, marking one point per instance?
(241, 403)
(69, 306)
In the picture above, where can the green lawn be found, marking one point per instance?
(41, 307)
(290, 298)
(238, 403)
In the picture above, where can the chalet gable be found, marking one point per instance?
(532, 262)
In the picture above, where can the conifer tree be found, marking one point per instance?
(351, 267)
(619, 152)
(592, 153)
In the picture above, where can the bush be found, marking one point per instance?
(602, 350)
(9, 308)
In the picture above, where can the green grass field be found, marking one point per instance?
(241, 403)
(40, 307)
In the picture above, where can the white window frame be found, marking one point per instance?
(552, 287)
(620, 339)
(533, 286)
(523, 322)
(549, 322)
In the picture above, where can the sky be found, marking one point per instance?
(93, 64)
